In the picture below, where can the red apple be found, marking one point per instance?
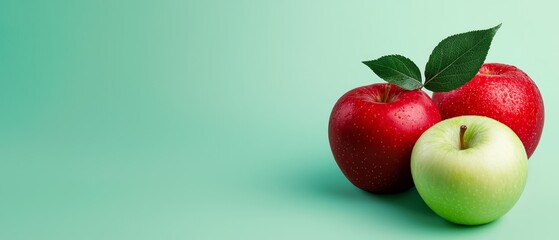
(504, 93)
(372, 131)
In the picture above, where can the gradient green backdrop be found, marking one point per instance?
(208, 119)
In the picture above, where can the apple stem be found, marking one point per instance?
(386, 93)
(462, 131)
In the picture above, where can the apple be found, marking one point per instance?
(504, 93)
(372, 131)
(470, 169)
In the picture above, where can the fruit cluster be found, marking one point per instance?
(466, 149)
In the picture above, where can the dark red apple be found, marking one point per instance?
(504, 93)
(372, 131)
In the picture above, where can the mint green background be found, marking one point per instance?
(208, 119)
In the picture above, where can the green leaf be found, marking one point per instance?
(398, 70)
(457, 59)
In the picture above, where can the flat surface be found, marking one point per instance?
(208, 119)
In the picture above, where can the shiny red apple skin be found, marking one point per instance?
(504, 93)
(372, 141)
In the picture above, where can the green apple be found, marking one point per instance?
(469, 170)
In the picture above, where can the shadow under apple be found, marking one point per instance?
(322, 181)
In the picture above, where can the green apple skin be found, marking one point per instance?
(475, 185)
